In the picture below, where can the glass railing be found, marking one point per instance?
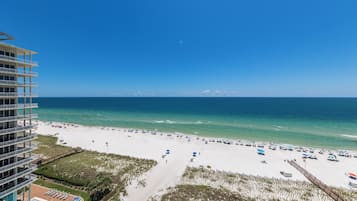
(19, 106)
(18, 60)
(16, 72)
(22, 183)
(16, 129)
(18, 117)
(18, 151)
(15, 94)
(20, 162)
(21, 173)
(16, 83)
(18, 140)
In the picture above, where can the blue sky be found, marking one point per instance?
(189, 47)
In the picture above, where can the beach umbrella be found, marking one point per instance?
(352, 175)
(261, 151)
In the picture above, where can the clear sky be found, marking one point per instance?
(188, 47)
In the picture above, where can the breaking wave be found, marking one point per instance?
(349, 136)
(178, 122)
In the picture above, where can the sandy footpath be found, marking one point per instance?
(228, 157)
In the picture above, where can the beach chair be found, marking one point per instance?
(52, 193)
(56, 194)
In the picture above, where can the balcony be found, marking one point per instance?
(16, 129)
(18, 106)
(16, 83)
(17, 60)
(21, 184)
(17, 73)
(18, 140)
(20, 162)
(15, 95)
(18, 151)
(23, 172)
(18, 118)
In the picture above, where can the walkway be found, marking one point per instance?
(335, 196)
(162, 176)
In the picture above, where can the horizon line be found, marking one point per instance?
(196, 97)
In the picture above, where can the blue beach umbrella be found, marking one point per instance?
(261, 151)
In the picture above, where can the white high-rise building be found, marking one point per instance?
(16, 125)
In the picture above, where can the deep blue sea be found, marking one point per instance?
(318, 122)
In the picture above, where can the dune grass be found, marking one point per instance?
(47, 147)
(90, 169)
(197, 182)
(200, 193)
(93, 172)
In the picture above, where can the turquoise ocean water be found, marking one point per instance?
(318, 122)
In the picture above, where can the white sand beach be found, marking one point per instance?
(234, 157)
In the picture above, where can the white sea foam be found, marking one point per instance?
(349, 136)
(277, 126)
(176, 122)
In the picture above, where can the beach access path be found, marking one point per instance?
(167, 173)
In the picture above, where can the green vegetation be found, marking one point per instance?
(200, 193)
(47, 147)
(63, 188)
(91, 169)
(196, 182)
(97, 174)
(348, 195)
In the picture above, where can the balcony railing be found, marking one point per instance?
(18, 73)
(16, 83)
(18, 60)
(19, 162)
(16, 129)
(18, 106)
(18, 140)
(18, 117)
(20, 185)
(18, 151)
(21, 173)
(16, 94)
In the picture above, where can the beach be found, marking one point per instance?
(174, 152)
(326, 123)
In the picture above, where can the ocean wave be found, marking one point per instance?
(277, 127)
(349, 136)
(177, 122)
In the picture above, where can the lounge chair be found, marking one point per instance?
(286, 174)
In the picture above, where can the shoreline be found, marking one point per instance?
(216, 153)
(195, 135)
